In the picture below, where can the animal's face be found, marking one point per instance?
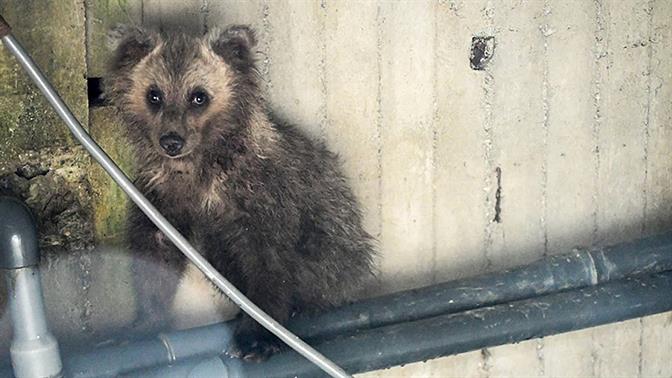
(179, 91)
(175, 91)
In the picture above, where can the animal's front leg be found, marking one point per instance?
(265, 281)
(252, 341)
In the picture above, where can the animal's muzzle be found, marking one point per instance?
(171, 143)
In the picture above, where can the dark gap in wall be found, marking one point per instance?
(498, 196)
(94, 86)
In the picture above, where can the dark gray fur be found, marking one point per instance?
(288, 232)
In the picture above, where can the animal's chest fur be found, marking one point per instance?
(189, 197)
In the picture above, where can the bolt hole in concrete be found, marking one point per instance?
(482, 50)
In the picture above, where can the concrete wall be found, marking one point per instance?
(562, 140)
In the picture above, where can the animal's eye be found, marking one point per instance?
(199, 98)
(154, 97)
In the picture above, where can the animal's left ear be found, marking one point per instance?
(234, 45)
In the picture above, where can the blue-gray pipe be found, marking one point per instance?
(166, 348)
(574, 270)
(153, 214)
(33, 350)
(501, 324)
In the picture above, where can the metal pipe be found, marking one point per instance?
(154, 215)
(33, 350)
(505, 323)
(193, 368)
(551, 274)
(166, 348)
(576, 269)
(450, 334)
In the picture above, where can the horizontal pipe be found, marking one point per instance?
(552, 274)
(579, 268)
(193, 368)
(167, 348)
(450, 334)
(505, 323)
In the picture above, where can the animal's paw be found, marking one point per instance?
(144, 325)
(252, 348)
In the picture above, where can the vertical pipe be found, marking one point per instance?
(24, 283)
(34, 349)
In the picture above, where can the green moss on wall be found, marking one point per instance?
(27, 122)
(102, 15)
(39, 160)
(53, 32)
(110, 202)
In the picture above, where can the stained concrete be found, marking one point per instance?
(353, 121)
(57, 45)
(570, 161)
(562, 139)
(407, 149)
(462, 170)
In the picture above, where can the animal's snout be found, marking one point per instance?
(171, 143)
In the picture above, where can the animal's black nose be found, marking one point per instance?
(171, 143)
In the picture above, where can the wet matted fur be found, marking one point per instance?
(270, 209)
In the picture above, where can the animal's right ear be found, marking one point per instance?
(130, 44)
(234, 45)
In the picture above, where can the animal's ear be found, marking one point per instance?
(130, 44)
(234, 44)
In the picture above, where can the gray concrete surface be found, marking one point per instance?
(562, 140)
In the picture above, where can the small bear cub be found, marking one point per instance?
(268, 207)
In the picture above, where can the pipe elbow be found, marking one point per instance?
(18, 235)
